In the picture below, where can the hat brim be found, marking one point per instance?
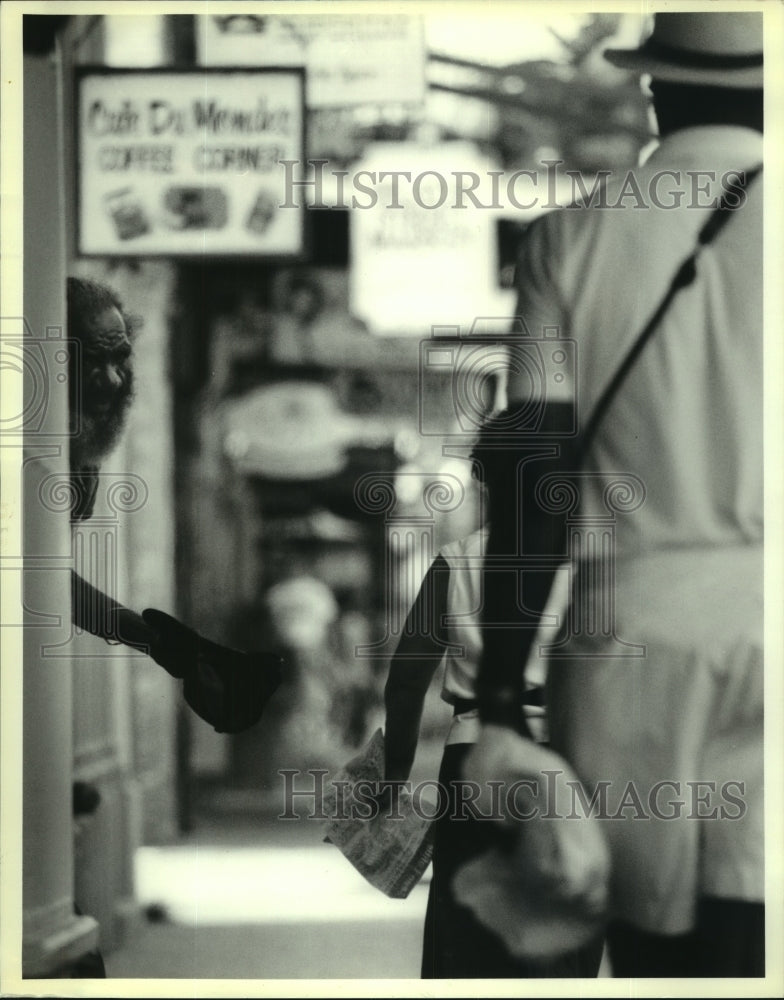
(747, 78)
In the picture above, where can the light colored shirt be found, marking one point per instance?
(683, 702)
(688, 419)
(463, 628)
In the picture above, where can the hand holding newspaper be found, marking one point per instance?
(390, 847)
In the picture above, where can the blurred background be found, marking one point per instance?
(303, 452)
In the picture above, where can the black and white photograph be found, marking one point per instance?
(392, 483)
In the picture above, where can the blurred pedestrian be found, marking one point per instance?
(687, 883)
(444, 625)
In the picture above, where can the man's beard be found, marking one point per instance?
(99, 429)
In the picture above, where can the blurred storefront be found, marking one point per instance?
(299, 455)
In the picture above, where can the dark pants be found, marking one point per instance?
(456, 945)
(728, 942)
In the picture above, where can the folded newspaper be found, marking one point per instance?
(390, 848)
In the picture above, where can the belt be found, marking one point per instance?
(535, 696)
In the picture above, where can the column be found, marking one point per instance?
(53, 936)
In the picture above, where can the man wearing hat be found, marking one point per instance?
(656, 694)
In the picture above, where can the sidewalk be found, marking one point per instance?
(260, 898)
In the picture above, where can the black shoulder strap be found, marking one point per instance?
(684, 276)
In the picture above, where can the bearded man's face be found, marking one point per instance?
(101, 386)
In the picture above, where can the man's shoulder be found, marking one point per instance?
(686, 172)
(615, 211)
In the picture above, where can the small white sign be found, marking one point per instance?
(350, 59)
(423, 251)
(186, 163)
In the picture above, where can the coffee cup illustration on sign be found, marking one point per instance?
(126, 211)
(196, 208)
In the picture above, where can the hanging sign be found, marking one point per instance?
(189, 163)
(350, 59)
(422, 253)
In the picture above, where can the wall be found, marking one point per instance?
(125, 706)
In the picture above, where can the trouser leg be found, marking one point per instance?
(728, 941)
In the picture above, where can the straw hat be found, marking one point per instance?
(710, 50)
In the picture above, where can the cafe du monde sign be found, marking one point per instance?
(189, 163)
